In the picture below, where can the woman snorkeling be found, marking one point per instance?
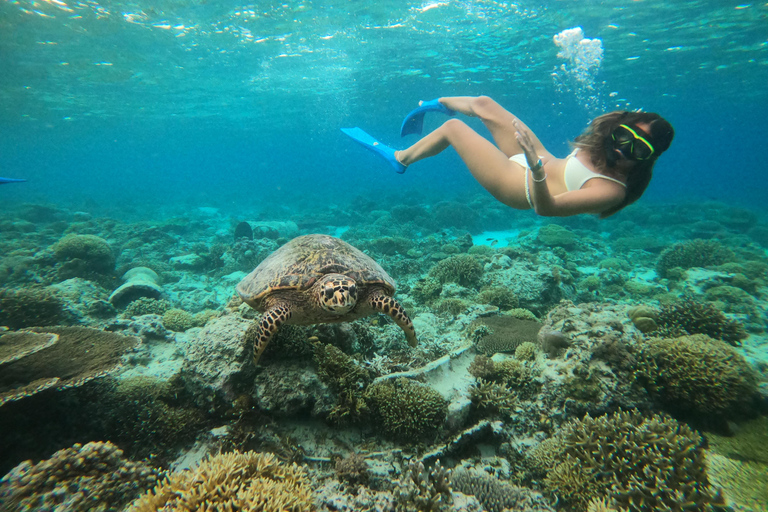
(610, 167)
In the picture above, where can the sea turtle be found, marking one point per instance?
(316, 279)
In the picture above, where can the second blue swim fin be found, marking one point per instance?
(414, 121)
(10, 180)
(377, 147)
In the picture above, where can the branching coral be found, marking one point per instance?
(232, 481)
(643, 464)
(696, 374)
(406, 410)
(78, 355)
(689, 316)
(488, 396)
(82, 478)
(421, 490)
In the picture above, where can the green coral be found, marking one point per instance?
(644, 464)
(499, 296)
(452, 305)
(147, 306)
(696, 375)
(347, 378)
(493, 397)
(689, 316)
(28, 307)
(406, 410)
(178, 320)
(461, 268)
(695, 253)
(553, 235)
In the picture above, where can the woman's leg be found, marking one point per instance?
(489, 165)
(497, 119)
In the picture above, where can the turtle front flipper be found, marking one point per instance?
(269, 323)
(385, 304)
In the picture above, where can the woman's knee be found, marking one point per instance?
(486, 107)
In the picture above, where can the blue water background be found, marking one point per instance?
(135, 107)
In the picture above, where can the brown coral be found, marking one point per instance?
(641, 463)
(78, 355)
(505, 333)
(232, 481)
(82, 478)
(696, 374)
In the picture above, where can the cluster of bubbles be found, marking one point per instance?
(578, 75)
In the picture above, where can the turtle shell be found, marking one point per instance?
(298, 264)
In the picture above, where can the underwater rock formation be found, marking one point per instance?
(138, 282)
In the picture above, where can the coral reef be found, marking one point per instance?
(424, 491)
(232, 481)
(406, 410)
(461, 268)
(347, 378)
(82, 478)
(493, 397)
(505, 333)
(80, 354)
(147, 306)
(178, 320)
(697, 375)
(496, 495)
(28, 307)
(553, 235)
(689, 316)
(695, 253)
(352, 469)
(644, 464)
(499, 296)
(83, 256)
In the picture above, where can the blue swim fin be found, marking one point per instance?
(10, 180)
(414, 121)
(377, 147)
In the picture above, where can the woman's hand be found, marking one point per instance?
(523, 136)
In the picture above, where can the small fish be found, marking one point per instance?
(492, 240)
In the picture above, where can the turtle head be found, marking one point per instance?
(337, 294)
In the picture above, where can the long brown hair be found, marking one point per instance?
(596, 139)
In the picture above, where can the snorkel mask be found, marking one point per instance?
(631, 145)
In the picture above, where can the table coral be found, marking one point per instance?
(80, 354)
(83, 478)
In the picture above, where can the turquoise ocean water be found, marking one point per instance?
(148, 131)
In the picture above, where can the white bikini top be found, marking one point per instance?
(576, 174)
